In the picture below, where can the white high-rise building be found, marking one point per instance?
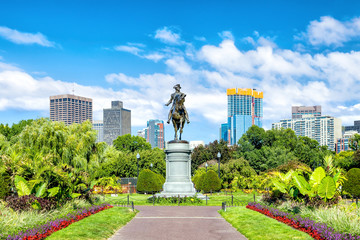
(324, 129)
(99, 127)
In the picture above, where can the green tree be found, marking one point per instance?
(352, 184)
(148, 181)
(255, 136)
(345, 160)
(130, 143)
(210, 181)
(200, 155)
(354, 142)
(15, 129)
(235, 168)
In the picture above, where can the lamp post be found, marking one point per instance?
(151, 165)
(137, 163)
(206, 165)
(219, 156)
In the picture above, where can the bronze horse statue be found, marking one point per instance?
(178, 115)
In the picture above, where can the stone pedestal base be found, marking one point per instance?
(178, 171)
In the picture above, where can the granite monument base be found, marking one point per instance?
(178, 171)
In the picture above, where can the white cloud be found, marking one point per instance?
(178, 65)
(167, 36)
(226, 35)
(154, 56)
(24, 38)
(287, 77)
(329, 31)
(130, 49)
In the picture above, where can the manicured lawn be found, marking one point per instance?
(215, 199)
(98, 226)
(256, 226)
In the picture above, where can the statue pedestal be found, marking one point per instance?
(178, 171)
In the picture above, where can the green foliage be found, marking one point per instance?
(5, 185)
(210, 181)
(273, 148)
(292, 165)
(22, 186)
(321, 184)
(327, 188)
(131, 143)
(161, 178)
(235, 168)
(354, 142)
(345, 160)
(174, 200)
(196, 178)
(203, 154)
(352, 184)
(15, 129)
(108, 181)
(148, 181)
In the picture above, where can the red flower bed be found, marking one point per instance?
(284, 219)
(47, 229)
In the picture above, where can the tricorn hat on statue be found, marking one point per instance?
(177, 86)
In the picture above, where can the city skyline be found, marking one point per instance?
(298, 54)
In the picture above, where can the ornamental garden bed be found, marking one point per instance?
(316, 230)
(45, 230)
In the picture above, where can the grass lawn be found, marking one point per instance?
(215, 199)
(256, 226)
(101, 225)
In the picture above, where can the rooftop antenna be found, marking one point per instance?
(73, 89)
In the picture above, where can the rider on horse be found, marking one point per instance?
(174, 97)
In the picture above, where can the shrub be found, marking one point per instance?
(352, 184)
(196, 179)
(210, 181)
(28, 202)
(162, 180)
(274, 197)
(148, 181)
(5, 186)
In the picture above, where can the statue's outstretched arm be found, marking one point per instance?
(170, 101)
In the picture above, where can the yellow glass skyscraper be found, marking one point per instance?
(245, 108)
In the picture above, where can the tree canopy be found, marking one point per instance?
(131, 143)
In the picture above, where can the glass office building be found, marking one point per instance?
(155, 134)
(245, 108)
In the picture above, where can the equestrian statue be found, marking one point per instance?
(178, 113)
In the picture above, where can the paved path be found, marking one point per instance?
(179, 222)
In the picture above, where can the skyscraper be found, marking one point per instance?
(245, 108)
(301, 111)
(117, 122)
(99, 127)
(356, 127)
(324, 129)
(155, 134)
(70, 109)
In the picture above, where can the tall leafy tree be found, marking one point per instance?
(131, 143)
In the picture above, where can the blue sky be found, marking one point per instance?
(297, 52)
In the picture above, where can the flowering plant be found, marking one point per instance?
(319, 231)
(43, 231)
